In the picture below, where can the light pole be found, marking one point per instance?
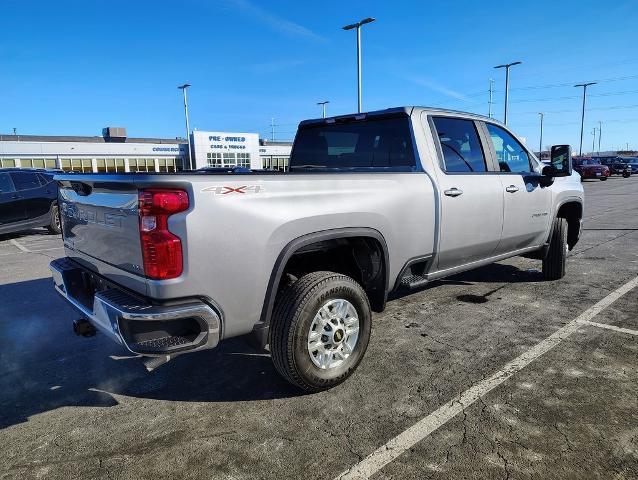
(489, 103)
(188, 128)
(582, 118)
(358, 26)
(600, 134)
(540, 142)
(507, 66)
(323, 107)
(593, 142)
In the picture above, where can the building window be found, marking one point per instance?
(229, 160)
(243, 160)
(214, 160)
(76, 164)
(141, 164)
(7, 162)
(101, 165)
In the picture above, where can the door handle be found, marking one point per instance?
(453, 192)
(15, 196)
(511, 189)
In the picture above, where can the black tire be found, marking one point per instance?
(626, 174)
(291, 322)
(603, 179)
(55, 227)
(554, 262)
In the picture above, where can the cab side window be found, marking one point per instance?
(6, 185)
(510, 154)
(460, 145)
(25, 180)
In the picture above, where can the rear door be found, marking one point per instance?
(470, 194)
(11, 205)
(527, 205)
(31, 193)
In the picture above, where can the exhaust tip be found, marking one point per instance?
(82, 327)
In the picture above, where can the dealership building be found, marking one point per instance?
(115, 152)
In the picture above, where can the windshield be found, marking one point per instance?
(373, 143)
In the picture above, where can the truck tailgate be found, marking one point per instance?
(100, 220)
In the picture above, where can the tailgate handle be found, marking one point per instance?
(81, 189)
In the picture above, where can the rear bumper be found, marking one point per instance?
(142, 327)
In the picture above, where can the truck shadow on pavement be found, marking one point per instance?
(44, 366)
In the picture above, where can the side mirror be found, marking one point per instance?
(561, 161)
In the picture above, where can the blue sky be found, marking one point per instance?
(74, 67)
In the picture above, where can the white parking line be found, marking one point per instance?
(424, 427)
(609, 327)
(19, 246)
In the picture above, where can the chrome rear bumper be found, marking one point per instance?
(142, 327)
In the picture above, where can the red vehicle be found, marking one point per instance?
(591, 168)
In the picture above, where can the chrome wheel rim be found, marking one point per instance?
(333, 334)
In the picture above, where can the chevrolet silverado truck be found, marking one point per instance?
(373, 203)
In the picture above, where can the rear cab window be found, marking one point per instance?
(370, 144)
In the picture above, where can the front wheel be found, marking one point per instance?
(54, 227)
(320, 330)
(603, 179)
(556, 259)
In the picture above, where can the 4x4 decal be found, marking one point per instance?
(228, 190)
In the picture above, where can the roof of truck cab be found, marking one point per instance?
(395, 111)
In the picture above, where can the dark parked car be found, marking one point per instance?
(28, 199)
(618, 166)
(590, 168)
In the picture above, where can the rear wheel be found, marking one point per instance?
(603, 179)
(320, 330)
(54, 227)
(554, 262)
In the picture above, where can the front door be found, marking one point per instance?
(470, 196)
(527, 205)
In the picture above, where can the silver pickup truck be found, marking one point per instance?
(171, 263)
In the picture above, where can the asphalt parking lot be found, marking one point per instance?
(82, 408)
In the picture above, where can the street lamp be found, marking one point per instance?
(540, 142)
(600, 134)
(323, 107)
(188, 130)
(582, 118)
(507, 66)
(358, 26)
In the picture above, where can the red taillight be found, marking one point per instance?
(161, 249)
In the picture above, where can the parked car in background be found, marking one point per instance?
(631, 162)
(28, 199)
(591, 168)
(617, 166)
